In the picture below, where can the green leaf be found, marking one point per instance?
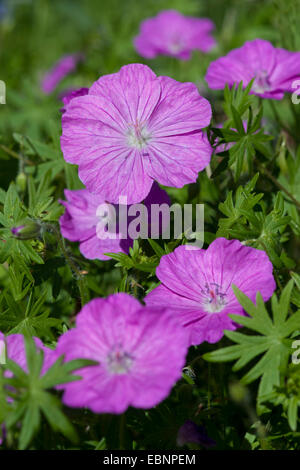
(51, 408)
(30, 425)
(271, 347)
(293, 412)
(33, 397)
(158, 250)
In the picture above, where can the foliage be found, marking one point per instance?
(251, 192)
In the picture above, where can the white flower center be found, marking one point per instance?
(119, 361)
(176, 44)
(261, 82)
(214, 300)
(138, 136)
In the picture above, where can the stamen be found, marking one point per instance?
(261, 82)
(214, 300)
(119, 361)
(137, 135)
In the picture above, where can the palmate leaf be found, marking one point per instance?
(255, 227)
(28, 316)
(288, 396)
(296, 292)
(237, 98)
(13, 215)
(273, 344)
(32, 398)
(238, 106)
(244, 200)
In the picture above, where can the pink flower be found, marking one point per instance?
(140, 353)
(197, 286)
(274, 69)
(80, 222)
(61, 69)
(68, 96)
(133, 128)
(170, 33)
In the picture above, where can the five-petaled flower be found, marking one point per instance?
(171, 33)
(197, 286)
(273, 69)
(140, 353)
(133, 128)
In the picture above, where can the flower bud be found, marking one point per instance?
(28, 230)
(21, 181)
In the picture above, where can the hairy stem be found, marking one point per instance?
(265, 171)
(80, 278)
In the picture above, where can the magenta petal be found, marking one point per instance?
(122, 174)
(15, 350)
(70, 95)
(79, 220)
(181, 109)
(60, 70)
(134, 91)
(273, 69)
(94, 248)
(225, 70)
(178, 159)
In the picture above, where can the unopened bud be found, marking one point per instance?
(27, 230)
(21, 181)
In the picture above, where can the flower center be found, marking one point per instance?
(176, 44)
(214, 300)
(119, 361)
(138, 135)
(261, 82)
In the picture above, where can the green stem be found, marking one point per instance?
(294, 112)
(13, 154)
(122, 431)
(80, 279)
(279, 185)
(9, 152)
(281, 123)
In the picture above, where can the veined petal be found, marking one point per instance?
(134, 91)
(181, 109)
(122, 174)
(177, 160)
